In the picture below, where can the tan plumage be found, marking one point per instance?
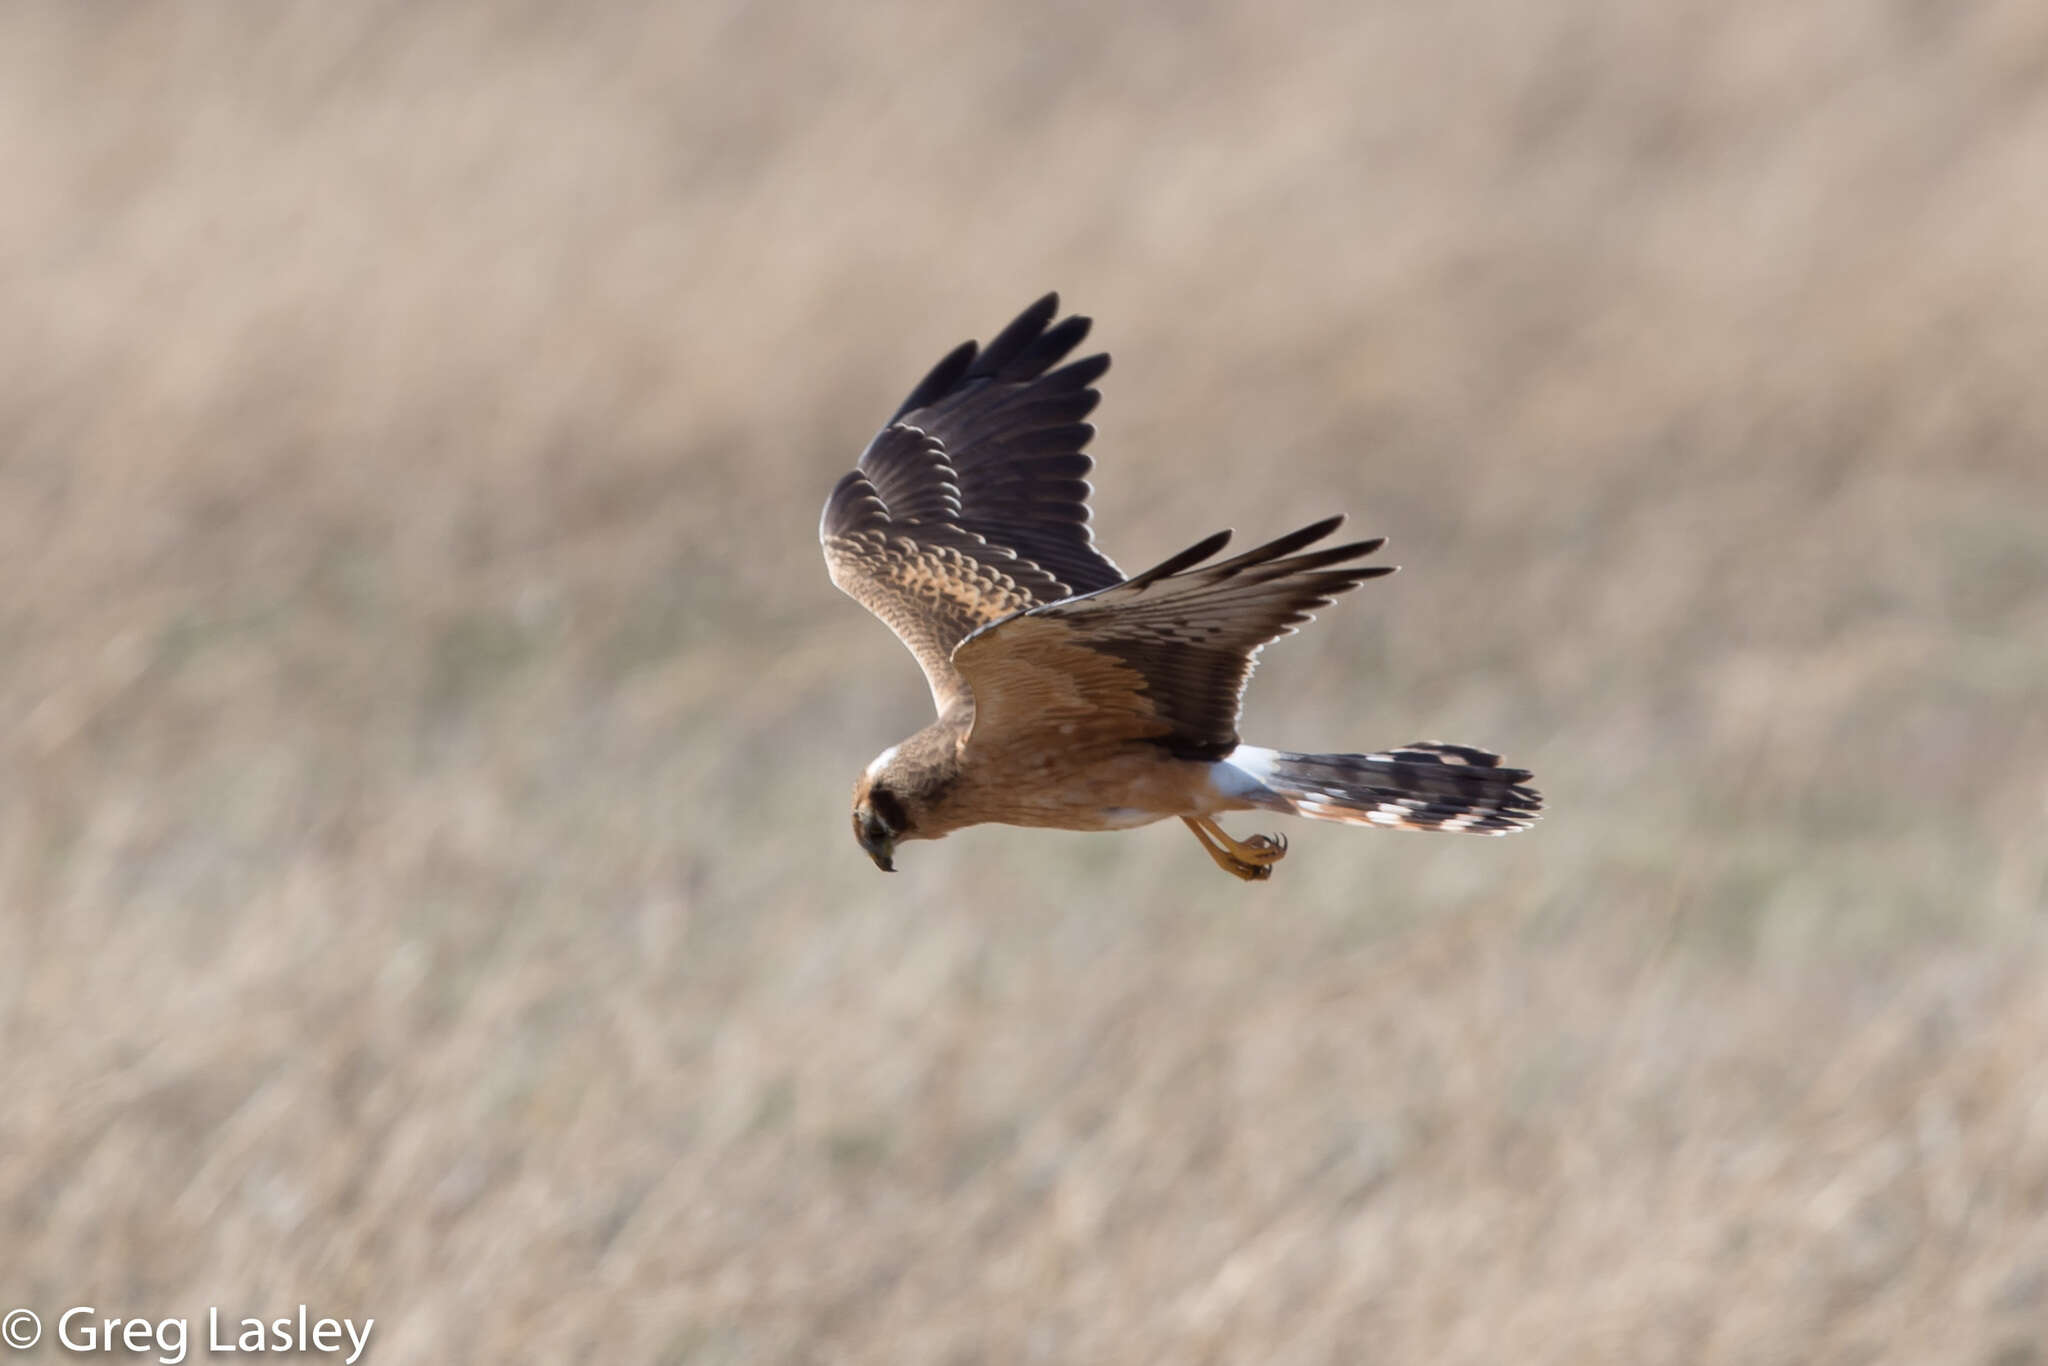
(1069, 695)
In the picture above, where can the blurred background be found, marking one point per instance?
(426, 727)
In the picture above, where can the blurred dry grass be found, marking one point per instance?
(422, 843)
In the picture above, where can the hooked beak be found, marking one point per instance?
(882, 851)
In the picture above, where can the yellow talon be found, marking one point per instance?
(1251, 859)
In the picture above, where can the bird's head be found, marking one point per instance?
(879, 818)
(907, 793)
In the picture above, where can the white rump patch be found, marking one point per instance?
(1244, 773)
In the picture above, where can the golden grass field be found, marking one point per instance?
(426, 726)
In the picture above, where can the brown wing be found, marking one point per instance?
(972, 503)
(1163, 656)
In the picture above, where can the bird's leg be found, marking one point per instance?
(1250, 859)
(1234, 867)
(1262, 850)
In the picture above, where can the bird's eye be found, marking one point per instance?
(888, 811)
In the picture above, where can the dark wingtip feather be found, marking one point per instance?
(1078, 375)
(1315, 531)
(939, 380)
(1172, 565)
(1329, 555)
(1023, 330)
(1280, 547)
(1352, 576)
(1042, 353)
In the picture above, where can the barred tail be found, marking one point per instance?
(1423, 786)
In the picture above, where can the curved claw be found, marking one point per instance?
(1261, 849)
(1250, 859)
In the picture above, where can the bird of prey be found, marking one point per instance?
(1070, 695)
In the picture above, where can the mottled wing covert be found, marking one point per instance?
(972, 503)
(1163, 656)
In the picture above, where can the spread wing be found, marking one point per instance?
(1163, 656)
(972, 503)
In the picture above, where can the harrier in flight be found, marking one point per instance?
(1071, 695)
